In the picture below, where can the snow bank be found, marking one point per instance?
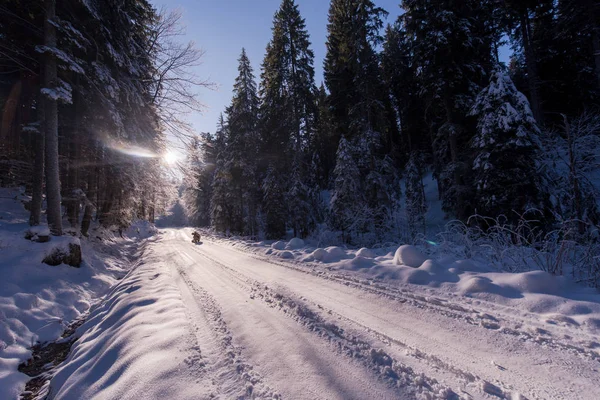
(367, 253)
(329, 255)
(286, 255)
(279, 245)
(295, 244)
(38, 301)
(133, 345)
(409, 255)
(533, 291)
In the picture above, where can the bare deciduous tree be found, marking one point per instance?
(174, 83)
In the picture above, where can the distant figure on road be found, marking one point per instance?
(195, 237)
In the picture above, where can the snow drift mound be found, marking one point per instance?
(295, 244)
(366, 253)
(409, 255)
(279, 245)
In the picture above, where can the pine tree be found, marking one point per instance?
(505, 144)
(198, 179)
(51, 93)
(220, 202)
(350, 66)
(452, 51)
(288, 114)
(242, 149)
(400, 76)
(323, 146)
(359, 102)
(347, 205)
(274, 204)
(191, 189)
(301, 204)
(416, 207)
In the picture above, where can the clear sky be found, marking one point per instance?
(222, 27)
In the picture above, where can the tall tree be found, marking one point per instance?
(506, 146)
(288, 113)
(242, 149)
(452, 46)
(350, 66)
(416, 206)
(358, 100)
(347, 205)
(51, 95)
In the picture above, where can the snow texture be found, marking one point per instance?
(38, 301)
(409, 255)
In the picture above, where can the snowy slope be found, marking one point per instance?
(220, 320)
(38, 301)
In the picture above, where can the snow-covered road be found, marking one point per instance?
(267, 329)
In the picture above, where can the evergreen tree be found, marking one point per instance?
(400, 76)
(323, 146)
(301, 204)
(288, 113)
(274, 204)
(505, 144)
(242, 149)
(351, 69)
(347, 205)
(190, 182)
(452, 51)
(198, 180)
(416, 207)
(358, 101)
(221, 202)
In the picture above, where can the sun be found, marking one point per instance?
(170, 157)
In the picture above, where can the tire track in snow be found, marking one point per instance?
(501, 388)
(247, 285)
(222, 359)
(375, 359)
(484, 318)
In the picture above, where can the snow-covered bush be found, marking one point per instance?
(519, 248)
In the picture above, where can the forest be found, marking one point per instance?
(90, 90)
(511, 144)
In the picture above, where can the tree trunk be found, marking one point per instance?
(73, 183)
(38, 169)
(577, 201)
(532, 73)
(51, 125)
(596, 44)
(90, 202)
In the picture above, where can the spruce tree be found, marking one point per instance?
(358, 100)
(452, 47)
(347, 205)
(288, 114)
(416, 207)
(505, 148)
(220, 202)
(350, 66)
(274, 204)
(242, 149)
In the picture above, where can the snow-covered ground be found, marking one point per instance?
(38, 301)
(239, 319)
(225, 320)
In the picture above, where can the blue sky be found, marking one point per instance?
(222, 28)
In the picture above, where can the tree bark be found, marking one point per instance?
(38, 181)
(90, 200)
(38, 169)
(532, 73)
(51, 125)
(596, 46)
(72, 183)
